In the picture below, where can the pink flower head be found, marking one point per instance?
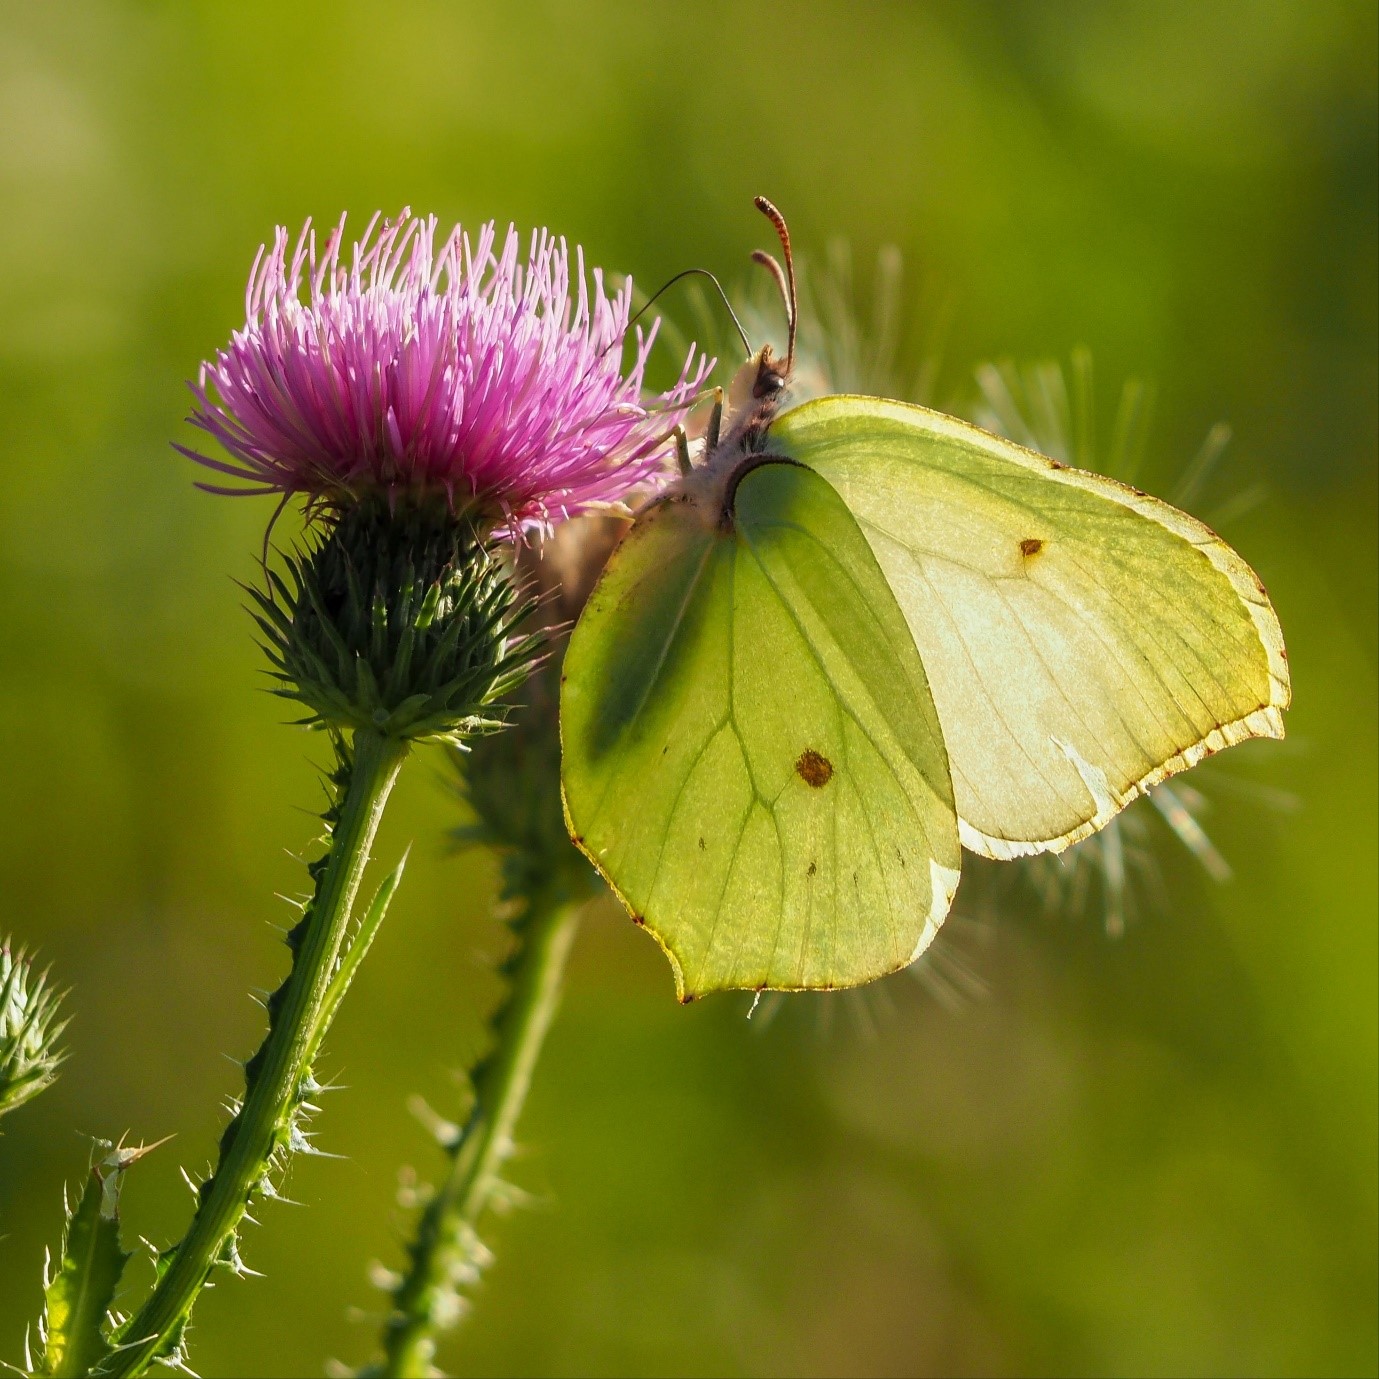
(468, 372)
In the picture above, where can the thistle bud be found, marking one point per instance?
(29, 1030)
(399, 619)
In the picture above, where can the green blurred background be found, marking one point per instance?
(1140, 1155)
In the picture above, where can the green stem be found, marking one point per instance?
(276, 1075)
(446, 1242)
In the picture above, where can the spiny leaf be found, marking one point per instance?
(358, 946)
(79, 1295)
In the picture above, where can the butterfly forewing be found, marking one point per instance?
(1082, 640)
(751, 753)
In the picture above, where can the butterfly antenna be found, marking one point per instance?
(785, 279)
(685, 273)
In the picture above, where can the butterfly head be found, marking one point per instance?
(760, 381)
(735, 443)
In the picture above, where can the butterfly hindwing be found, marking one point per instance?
(751, 755)
(1082, 640)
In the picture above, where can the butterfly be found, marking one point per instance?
(860, 636)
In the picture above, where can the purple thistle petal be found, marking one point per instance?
(470, 372)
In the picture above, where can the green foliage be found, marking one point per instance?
(80, 1291)
(353, 954)
(30, 1030)
(510, 782)
(270, 1123)
(446, 1255)
(397, 621)
(398, 625)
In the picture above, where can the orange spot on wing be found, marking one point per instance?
(814, 769)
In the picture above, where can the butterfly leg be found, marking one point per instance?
(681, 437)
(682, 451)
(715, 421)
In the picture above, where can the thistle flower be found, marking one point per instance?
(420, 401)
(468, 371)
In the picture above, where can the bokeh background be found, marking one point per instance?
(1147, 1154)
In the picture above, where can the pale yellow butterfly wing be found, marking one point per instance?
(1082, 640)
(751, 757)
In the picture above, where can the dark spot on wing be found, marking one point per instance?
(813, 769)
(701, 845)
(1031, 545)
(811, 869)
(639, 920)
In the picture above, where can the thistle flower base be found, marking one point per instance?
(399, 621)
